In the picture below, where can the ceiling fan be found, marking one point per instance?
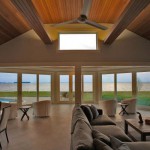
(83, 18)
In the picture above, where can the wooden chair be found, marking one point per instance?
(3, 121)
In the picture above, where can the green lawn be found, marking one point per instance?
(120, 95)
(88, 96)
(25, 94)
(143, 97)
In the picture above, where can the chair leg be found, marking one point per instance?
(6, 135)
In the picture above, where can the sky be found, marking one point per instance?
(124, 77)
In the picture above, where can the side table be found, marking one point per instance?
(123, 108)
(24, 109)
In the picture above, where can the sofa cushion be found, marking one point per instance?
(102, 120)
(99, 145)
(82, 136)
(87, 112)
(138, 145)
(116, 144)
(100, 136)
(112, 130)
(78, 114)
(94, 111)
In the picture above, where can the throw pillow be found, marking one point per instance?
(86, 109)
(116, 144)
(94, 111)
(99, 145)
(100, 136)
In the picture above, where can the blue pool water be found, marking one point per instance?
(7, 100)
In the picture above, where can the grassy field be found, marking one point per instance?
(25, 94)
(143, 97)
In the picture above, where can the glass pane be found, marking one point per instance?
(29, 88)
(64, 87)
(88, 88)
(8, 87)
(124, 86)
(108, 86)
(143, 88)
(73, 87)
(77, 41)
(44, 87)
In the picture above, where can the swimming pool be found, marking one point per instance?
(7, 100)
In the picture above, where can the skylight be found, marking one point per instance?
(83, 41)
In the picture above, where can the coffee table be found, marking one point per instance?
(143, 129)
(24, 109)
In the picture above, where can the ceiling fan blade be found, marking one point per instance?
(65, 22)
(86, 7)
(89, 22)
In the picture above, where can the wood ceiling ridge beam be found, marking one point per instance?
(27, 9)
(36, 23)
(133, 9)
(30, 17)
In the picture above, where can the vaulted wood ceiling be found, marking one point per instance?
(12, 23)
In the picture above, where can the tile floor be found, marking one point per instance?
(51, 133)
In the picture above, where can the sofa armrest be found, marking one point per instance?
(100, 111)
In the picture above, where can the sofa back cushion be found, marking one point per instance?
(76, 115)
(82, 136)
(87, 112)
(94, 111)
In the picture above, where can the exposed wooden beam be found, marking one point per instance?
(29, 12)
(132, 10)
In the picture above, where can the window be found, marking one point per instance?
(124, 86)
(143, 88)
(73, 87)
(78, 41)
(87, 88)
(44, 87)
(8, 87)
(108, 86)
(64, 87)
(29, 88)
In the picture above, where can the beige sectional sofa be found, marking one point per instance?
(82, 129)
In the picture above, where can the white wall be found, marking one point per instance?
(28, 49)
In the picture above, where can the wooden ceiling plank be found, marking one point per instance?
(133, 9)
(29, 12)
(7, 27)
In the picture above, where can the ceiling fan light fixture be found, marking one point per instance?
(84, 17)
